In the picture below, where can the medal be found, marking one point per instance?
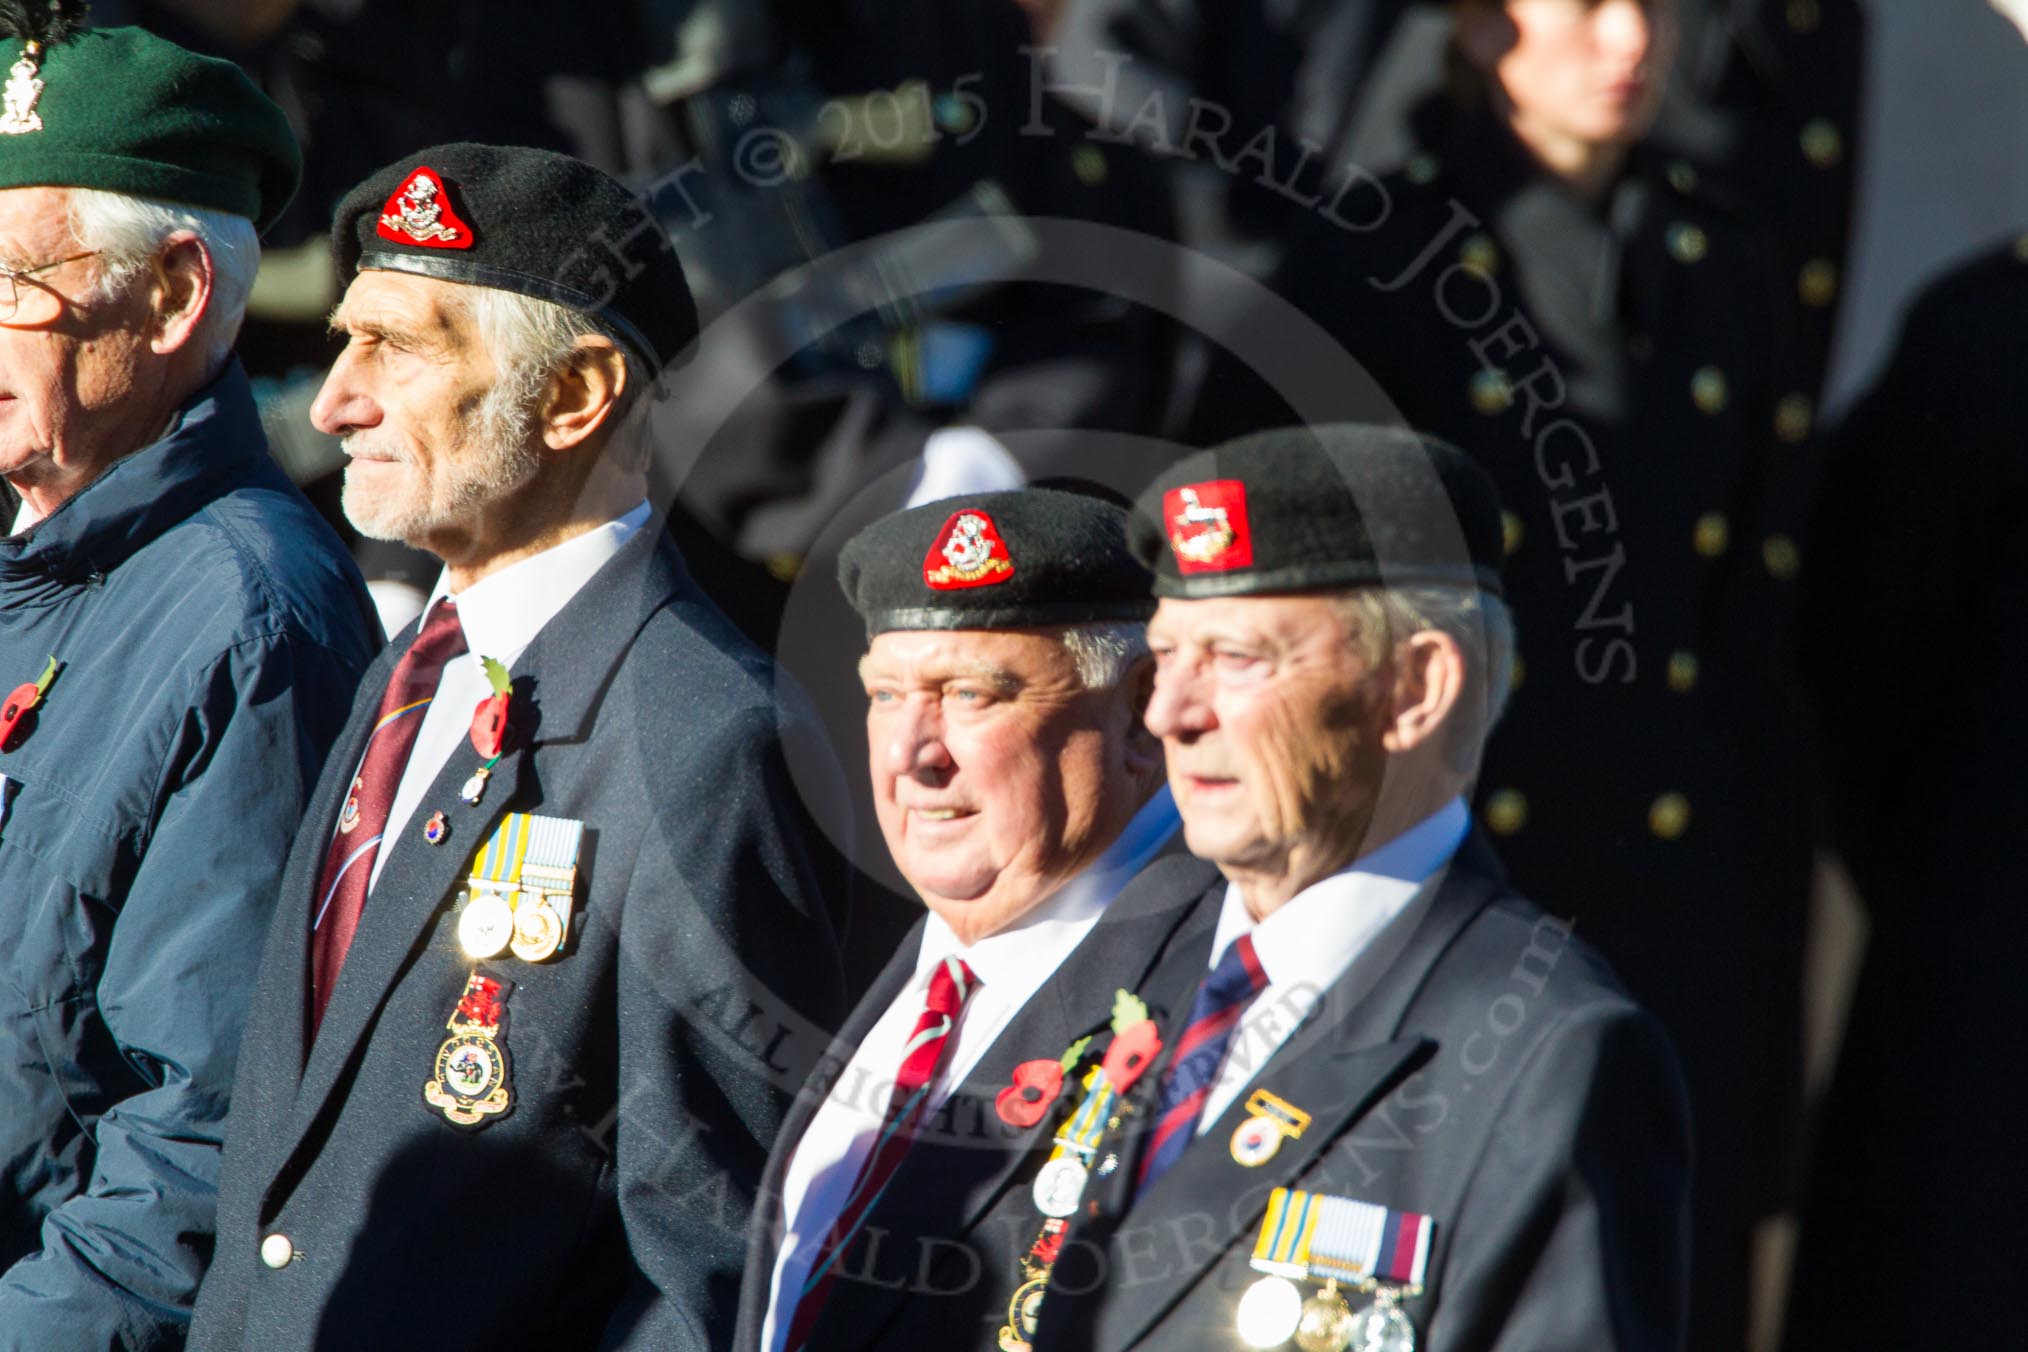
(471, 1080)
(436, 829)
(1270, 1312)
(475, 788)
(486, 926)
(1273, 1119)
(1317, 1237)
(528, 867)
(1059, 1186)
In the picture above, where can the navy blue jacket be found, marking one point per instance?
(652, 1059)
(212, 630)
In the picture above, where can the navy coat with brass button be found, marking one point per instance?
(1495, 1078)
(652, 1059)
(1651, 772)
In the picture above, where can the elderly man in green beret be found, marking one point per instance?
(181, 634)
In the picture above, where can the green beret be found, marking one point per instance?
(1020, 559)
(1320, 509)
(122, 110)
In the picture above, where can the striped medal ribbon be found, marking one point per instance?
(1315, 1237)
(520, 893)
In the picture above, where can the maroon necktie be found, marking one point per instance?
(949, 985)
(348, 865)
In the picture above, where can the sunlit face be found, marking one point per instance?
(408, 397)
(997, 776)
(1589, 72)
(1271, 721)
(72, 389)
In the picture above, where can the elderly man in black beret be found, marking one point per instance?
(180, 636)
(928, 1168)
(550, 937)
(1401, 1106)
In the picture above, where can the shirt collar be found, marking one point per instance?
(1033, 941)
(502, 612)
(1317, 933)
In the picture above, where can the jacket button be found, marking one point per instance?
(277, 1252)
(1506, 811)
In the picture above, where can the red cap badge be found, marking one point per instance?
(420, 213)
(1207, 526)
(968, 553)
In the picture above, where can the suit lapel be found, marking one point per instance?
(557, 682)
(969, 1152)
(1346, 1056)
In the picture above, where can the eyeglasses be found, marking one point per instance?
(24, 302)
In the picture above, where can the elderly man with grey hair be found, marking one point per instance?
(1021, 798)
(181, 635)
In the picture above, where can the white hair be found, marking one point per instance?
(1478, 621)
(1102, 652)
(127, 231)
(530, 341)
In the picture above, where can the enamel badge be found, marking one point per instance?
(968, 553)
(420, 212)
(1208, 527)
(472, 1080)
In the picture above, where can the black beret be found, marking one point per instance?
(1320, 508)
(531, 221)
(1025, 558)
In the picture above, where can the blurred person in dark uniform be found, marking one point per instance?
(1914, 606)
(1613, 341)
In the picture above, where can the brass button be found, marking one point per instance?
(1707, 389)
(1711, 534)
(1682, 672)
(1682, 176)
(1794, 416)
(1422, 168)
(1088, 162)
(1517, 673)
(1479, 252)
(1804, 15)
(1687, 243)
(1491, 391)
(277, 1252)
(1506, 812)
(1669, 816)
(1822, 145)
(1780, 555)
(1817, 283)
(1510, 532)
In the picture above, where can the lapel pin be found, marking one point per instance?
(1270, 1121)
(436, 829)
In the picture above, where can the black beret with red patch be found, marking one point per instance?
(1024, 558)
(1320, 509)
(530, 221)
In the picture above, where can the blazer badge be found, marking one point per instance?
(473, 1079)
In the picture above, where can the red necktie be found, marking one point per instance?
(948, 987)
(1193, 1067)
(348, 865)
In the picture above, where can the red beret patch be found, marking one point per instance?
(968, 553)
(1207, 526)
(420, 212)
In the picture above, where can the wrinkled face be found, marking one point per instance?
(71, 388)
(1588, 71)
(408, 397)
(1271, 723)
(996, 775)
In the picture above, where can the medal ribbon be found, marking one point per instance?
(552, 846)
(1086, 1125)
(1307, 1234)
(500, 862)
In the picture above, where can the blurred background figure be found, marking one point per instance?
(1608, 330)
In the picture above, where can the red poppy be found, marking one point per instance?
(1131, 1053)
(1036, 1085)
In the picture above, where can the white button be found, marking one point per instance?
(277, 1252)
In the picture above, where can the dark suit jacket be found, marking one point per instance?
(651, 1061)
(1496, 1079)
(940, 1255)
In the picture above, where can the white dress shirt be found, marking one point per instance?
(501, 614)
(1356, 921)
(1011, 966)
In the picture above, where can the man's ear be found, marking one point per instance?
(179, 291)
(1144, 748)
(1484, 33)
(1429, 686)
(584, 394)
